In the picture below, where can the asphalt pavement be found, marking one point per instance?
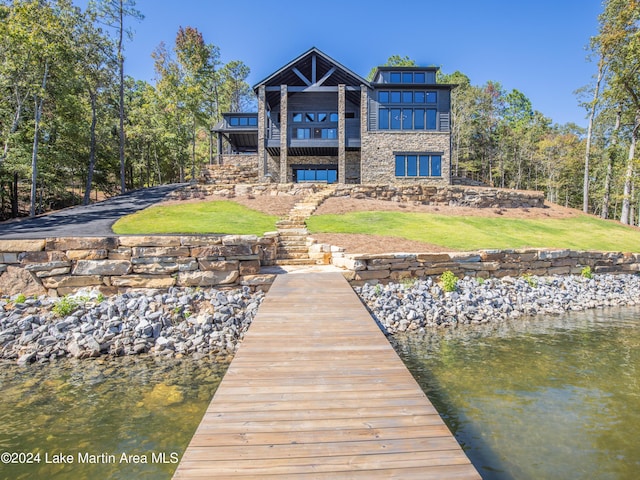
(93, 220)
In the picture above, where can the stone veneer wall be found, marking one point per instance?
(378, 155)
(478, 197)
(393, 267)
(114, 264)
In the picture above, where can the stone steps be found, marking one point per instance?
(292, 246)
(305, 261)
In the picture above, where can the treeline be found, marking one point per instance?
(500, 140)
(67, 108)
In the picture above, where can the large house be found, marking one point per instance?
(317, 121)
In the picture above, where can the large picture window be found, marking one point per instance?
(418, 165)
(407, 110)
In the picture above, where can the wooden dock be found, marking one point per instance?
(317, 391)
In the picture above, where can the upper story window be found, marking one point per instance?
(407, 96)
(318, 117)
(411, 77)
(243, 121)
(407, 110)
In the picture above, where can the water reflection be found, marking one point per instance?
(93, 410)
(552, 398)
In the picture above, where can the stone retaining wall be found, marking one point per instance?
(59, 266)
(454, 195)
(464, 196)
(386, 268)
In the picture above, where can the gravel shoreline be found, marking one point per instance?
(423, 304)
(195, 322)
(210, 322)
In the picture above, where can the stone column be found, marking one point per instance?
(219, 137)
(364, 126)
(262, 130)
(284, 133)
(342, 136)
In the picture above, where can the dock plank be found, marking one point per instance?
(317, 391)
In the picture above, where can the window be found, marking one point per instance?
(418, 77)
(418, 119)
(407, 77)
(394, 77)
(296, 117)
(418, 165)
(396, 119)
(310, 117)
(431, 119)
(383, 119)
(301, 133)
(325, 133)
(412, 116)
(333, 116)
(349, 114)
(407, 119)
(243, 121)
(322, 117)
(412, 165)
(321, 174)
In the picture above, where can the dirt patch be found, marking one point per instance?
(360, 243)
(341, 205)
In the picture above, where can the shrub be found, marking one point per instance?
(533, 282)
(20, 298)
(449, 281)
(65, 306)
(586, 272)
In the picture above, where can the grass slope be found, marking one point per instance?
(472, 233)
(201, 217)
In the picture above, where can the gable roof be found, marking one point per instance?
(312, 68)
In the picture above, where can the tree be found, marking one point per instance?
(394, 61)
(113, 13)
(96, 73)
(618, 42)
(237, 93)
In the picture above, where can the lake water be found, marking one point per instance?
(553, 398)
(81, 412)
(546, 398)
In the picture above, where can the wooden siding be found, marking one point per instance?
(316, 391)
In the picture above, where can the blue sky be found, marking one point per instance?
(535, 46)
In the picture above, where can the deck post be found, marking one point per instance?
(342, 162)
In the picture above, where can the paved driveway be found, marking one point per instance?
(86, 221)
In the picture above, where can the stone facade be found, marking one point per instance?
(393, 267)
(379, 149)
(111, 265)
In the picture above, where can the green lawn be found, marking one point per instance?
(201, 217)
(473, 233)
